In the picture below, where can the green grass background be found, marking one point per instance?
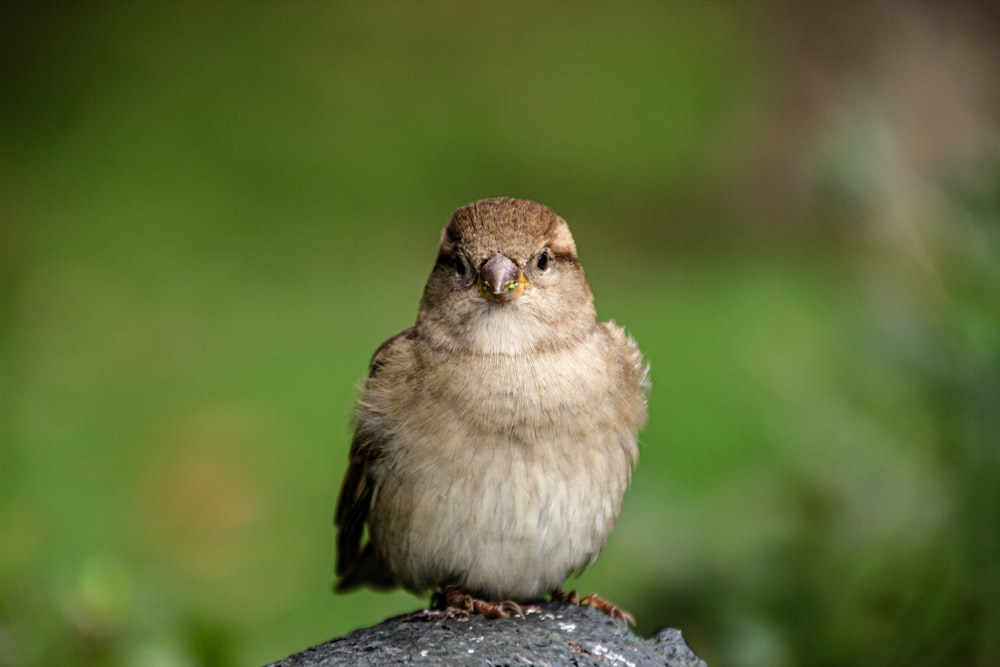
(212, 213)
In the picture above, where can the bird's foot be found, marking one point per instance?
(453, 602)
(596, 601)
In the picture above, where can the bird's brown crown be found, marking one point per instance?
(516, 227)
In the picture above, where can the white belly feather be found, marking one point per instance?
(521, 515)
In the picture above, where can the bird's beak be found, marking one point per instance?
(500, 280)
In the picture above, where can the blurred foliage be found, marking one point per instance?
(213, 213)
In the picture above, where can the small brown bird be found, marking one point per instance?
(494, 440)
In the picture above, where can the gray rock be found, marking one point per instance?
(551, 634)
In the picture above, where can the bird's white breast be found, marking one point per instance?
(516, 466)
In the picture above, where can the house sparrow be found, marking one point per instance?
(494, 440)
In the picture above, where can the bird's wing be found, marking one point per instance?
(635, 374)
(358, 491)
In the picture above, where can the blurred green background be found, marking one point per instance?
(211, 215)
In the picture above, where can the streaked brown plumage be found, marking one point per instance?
(494, 439)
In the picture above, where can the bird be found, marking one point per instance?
(493, 440)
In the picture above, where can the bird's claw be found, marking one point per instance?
(456, 603)
(596, 601)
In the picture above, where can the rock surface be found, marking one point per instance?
(550, 634)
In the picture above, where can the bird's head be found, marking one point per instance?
(508, 265)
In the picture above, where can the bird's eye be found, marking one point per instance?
(543, 260)
(459, 265)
